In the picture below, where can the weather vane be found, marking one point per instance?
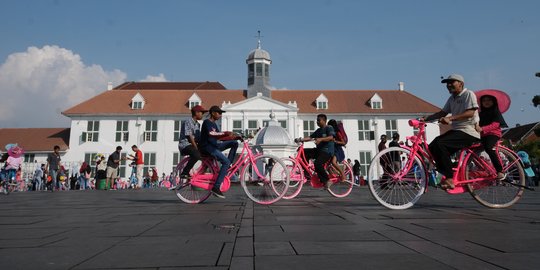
(259, 39)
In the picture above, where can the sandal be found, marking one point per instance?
(448, 184)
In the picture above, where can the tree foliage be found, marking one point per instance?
(536, 100)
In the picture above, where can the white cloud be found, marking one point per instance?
(40, 83)
(158, 78)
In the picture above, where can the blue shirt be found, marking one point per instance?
(209, 130)
(327, 147)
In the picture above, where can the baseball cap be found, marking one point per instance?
(198, 108)
(216, 109)
(453, 77)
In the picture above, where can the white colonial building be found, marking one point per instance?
(149, 115)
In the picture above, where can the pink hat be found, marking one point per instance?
(503, 100)
(16, 151)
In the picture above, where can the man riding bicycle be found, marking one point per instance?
(209, 144)
(460, 111)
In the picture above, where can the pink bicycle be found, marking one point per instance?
(263, 177)
(398, 175)
(299, 164)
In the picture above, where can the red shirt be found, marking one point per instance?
(139, 157)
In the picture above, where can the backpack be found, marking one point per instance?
(340, 133)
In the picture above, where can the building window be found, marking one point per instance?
(282, 123)
(253, 127)
(391, 127)
(258, 69)
(376, 105)
(90, 159)
(175, 161)
(322, 105)
(150, 133)
(365, 160)
(251, 74)
(122, 134)
(237, 126)
(266, 70)
(194, 103)
(149, 162)
(363, 130)
(123, 166)
(92, 132)
(29, 158)
(177, 127)
(309, 127)
(137, 105)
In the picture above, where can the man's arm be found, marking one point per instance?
(436, 115)
(465, 115)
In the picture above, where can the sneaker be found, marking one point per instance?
(185, 176)
(500, 176)
(218, 193)
(328, 184)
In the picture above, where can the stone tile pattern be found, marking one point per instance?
(152, 229)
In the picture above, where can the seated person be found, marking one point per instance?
(209, 144)
(324, 139)
(190, 134)
(489, 126)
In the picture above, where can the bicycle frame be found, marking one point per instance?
(420, 149)
(206, 181)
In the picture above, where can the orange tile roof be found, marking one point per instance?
(35, 139)
(156, 101)
(172, 98)
(355, 101)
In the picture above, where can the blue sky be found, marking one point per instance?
(54, 54)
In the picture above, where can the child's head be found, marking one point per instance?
(488, 101)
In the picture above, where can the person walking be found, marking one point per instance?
(529, 173)
(113, 162)
(53, 165)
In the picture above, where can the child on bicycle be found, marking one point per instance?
(209, 144)
(324, 140)
(490, 124)
(339, 154)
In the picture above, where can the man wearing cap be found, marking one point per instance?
(210, 132)
(190, 134)
(460, 111)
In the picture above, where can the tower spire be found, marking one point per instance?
(259, 39)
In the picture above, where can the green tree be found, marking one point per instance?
(536, 100)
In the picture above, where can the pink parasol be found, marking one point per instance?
(502, 98)
(16, 151)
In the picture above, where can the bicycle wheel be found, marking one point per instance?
(341, 188)
(266, 180)
(395, 187)
(495, 193)
(185, 191)
(296, 182)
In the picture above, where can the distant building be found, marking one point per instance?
(149, 114)
(523, 134)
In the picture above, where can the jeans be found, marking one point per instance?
(39, 183)
(83, 182)
(447, 144)
(220, 157)
(54, 183)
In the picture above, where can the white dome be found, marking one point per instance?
(273, 134)
(259, 54)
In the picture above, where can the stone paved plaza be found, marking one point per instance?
(152, 229)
